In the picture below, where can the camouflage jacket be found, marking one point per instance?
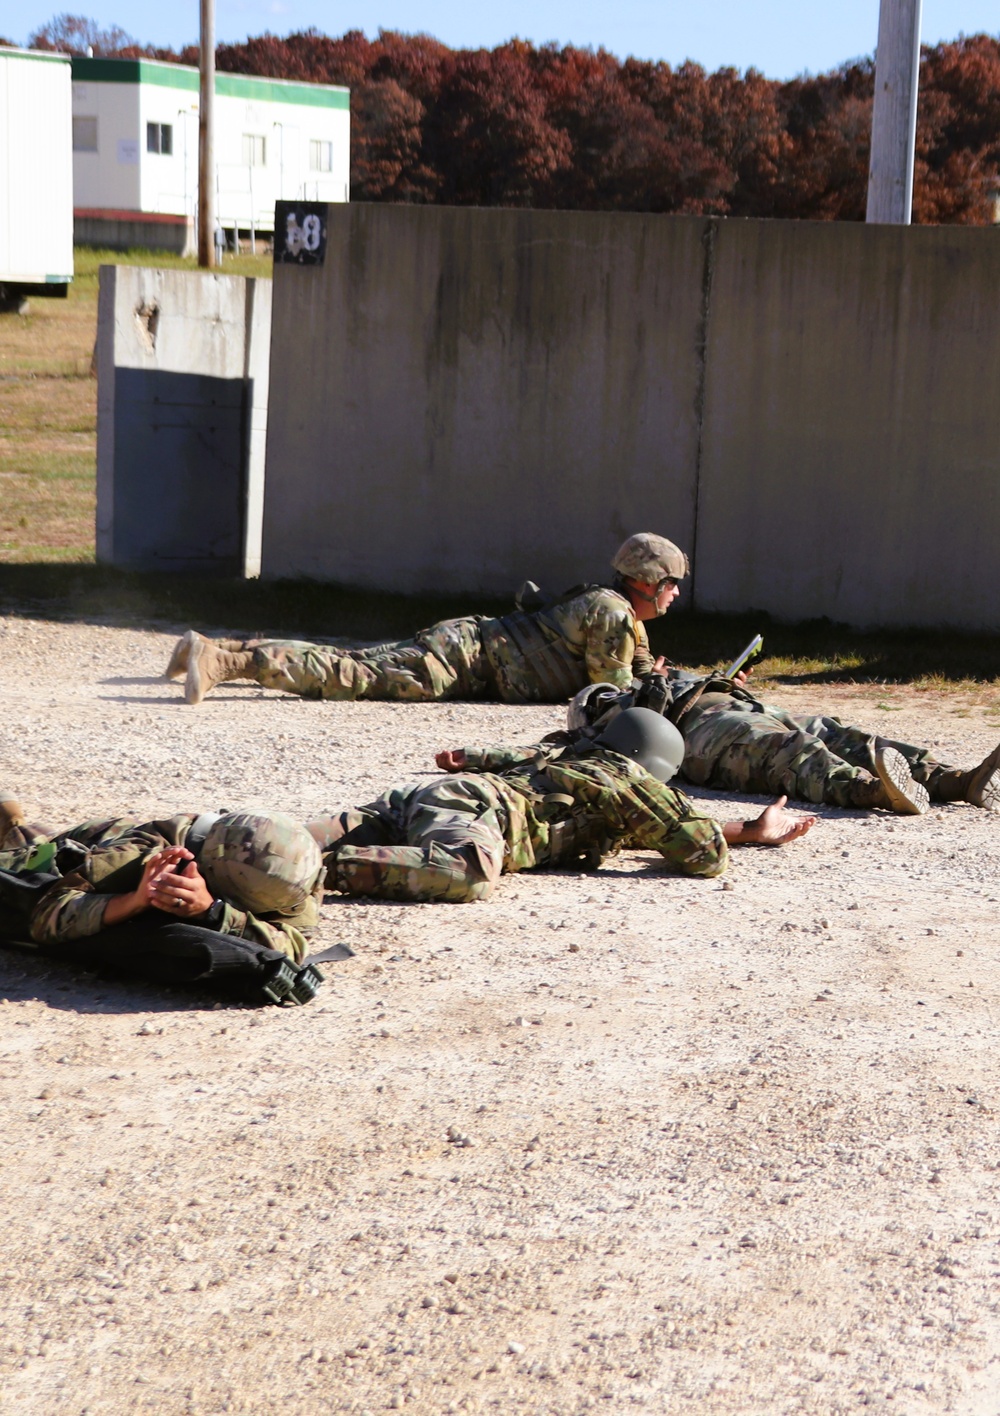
(117, 850)
(543, 656)
(608, 801)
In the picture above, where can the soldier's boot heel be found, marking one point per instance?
(904, 795)
(208, 666)
(983, 785)
(178, 664)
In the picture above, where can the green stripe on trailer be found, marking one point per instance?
(179, 76)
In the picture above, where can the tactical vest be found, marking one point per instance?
(536, 646)
(581, 838)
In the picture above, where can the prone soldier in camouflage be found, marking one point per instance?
(733, 742)
(510, 809)
(542, 653)
(249, 883)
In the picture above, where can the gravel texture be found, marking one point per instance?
(606, 1142)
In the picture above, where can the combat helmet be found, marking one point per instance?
(268, 865)
(649, 558)
(646, 737)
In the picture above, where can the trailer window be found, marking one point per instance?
(160, 138)
(84, 134)
(254, 150)
(320, 156)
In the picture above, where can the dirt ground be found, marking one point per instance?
(731, 1145)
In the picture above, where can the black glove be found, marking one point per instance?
(653, 693)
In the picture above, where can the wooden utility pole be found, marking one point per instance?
(206, 139)
(894, 115)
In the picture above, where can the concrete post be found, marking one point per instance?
(894, 115)
(206, 139)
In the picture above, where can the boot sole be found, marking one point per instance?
(194, 689)
(906, 797)
(986, 793)
(179, 659)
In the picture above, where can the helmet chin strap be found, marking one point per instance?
(633, 589)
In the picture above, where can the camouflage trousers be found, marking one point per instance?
(444, 841)
(742, 747)
(445, 661)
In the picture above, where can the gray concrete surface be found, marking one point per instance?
(181, 414)
(463, 398)
(852, 428)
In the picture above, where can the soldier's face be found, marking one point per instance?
(667, 594)
(652, 598)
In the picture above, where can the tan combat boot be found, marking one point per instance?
(178, 665)
(11, 817)
(15, 833)
(894, 790)
(209, 665)
(979, 787)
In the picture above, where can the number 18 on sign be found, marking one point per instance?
(299, 233)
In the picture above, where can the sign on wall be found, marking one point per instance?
(300, 233)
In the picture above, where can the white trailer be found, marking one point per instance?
(36, 175)
(135, 150)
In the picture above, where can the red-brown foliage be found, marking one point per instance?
(526, 126)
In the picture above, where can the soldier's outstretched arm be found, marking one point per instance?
(487, 759)
(773, 827)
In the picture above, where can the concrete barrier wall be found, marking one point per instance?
(462, 398)
(182, 362)
(851, 438)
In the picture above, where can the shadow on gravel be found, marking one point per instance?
(815, 652)
(26, 976)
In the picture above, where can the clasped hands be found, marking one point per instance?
(183, 894)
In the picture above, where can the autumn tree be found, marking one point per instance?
(575, 128)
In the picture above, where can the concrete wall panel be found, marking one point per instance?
(462, 398)
(181, 412)
(851, 434)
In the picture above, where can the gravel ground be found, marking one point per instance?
(606, 1142)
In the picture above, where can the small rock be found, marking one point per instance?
(428, 1301)
(145, 1031)
(516, 1348)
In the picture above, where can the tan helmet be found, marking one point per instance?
(268, 865)
(650, 558)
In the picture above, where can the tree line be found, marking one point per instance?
(522, 125)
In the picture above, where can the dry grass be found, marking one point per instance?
(48, 413)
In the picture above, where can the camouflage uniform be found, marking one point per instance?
(538, 656)
(510, 810)
(111, 863)
(734, 743)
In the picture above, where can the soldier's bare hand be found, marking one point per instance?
(451, 759)
(776, 827)
(740, 679)
(183, 894)
(660, 666)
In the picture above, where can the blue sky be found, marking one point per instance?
(779, 37)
